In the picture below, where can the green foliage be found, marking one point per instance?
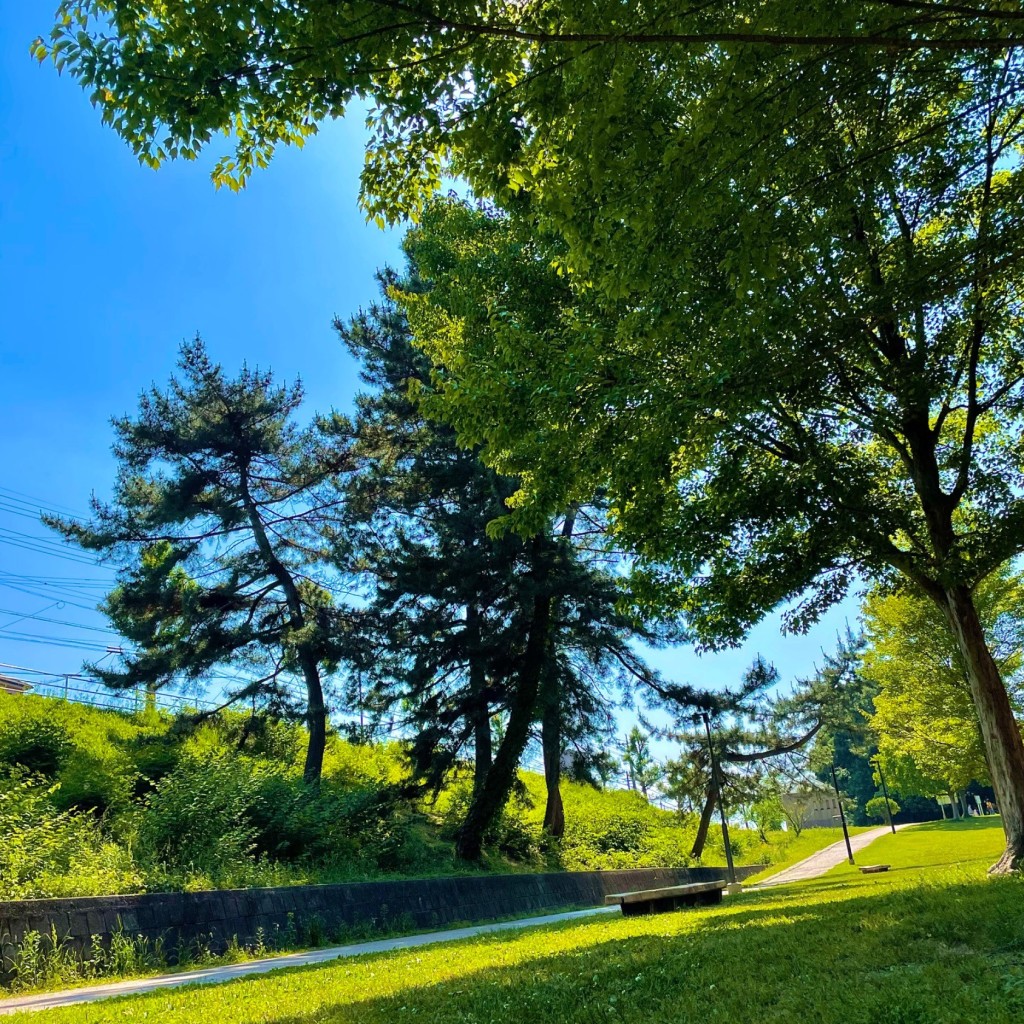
(88, 756)
(202, 813)
(644, 771)
(47, 852)
(876, 808)
(768, 813)
(777, 248)
(218, 521)
(196, 817)
(925, 720)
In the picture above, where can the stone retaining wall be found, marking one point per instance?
(317, 914)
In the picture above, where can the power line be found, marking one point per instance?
(74, 643)
(57, 622)
(52, 592)
(30, 501)
(38, 547)
(60, 580)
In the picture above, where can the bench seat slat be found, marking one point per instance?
(646, 895)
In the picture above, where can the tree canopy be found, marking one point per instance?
(791, 238)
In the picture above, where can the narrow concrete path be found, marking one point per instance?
(211, 975)
(824, 860)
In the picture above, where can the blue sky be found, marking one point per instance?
(105, 267)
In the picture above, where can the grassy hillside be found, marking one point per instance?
(933, 940)
(95, 801)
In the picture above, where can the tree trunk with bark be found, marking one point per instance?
(489, 799)
(1000, 733)
(316, 721)
(705, 819)
(551, 716)
(316, 710)
(482, 744)
(551, 742)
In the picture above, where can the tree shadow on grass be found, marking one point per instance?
(916, 955)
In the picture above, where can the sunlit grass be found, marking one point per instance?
(787, 852)
(933, 940)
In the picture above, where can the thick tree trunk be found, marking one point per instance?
(316, 721)
(705, 820)
(551, 742)
(551, 718)
(491, 797)
(482, 752)
(1004, 748)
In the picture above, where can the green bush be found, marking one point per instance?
(875, 808)
(196, 820)
(31, 739)
(182, 805)
(49, 852)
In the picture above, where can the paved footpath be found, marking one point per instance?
(824, 860)
(210, 975)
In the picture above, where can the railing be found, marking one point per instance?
(86, 690)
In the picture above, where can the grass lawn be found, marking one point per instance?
(932, 941)
(787, 852)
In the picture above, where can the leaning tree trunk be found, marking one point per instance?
(316, 710)
(551, 742)
(489, 799)
(316, 721)
(1000, 733)
(481, 709)
(705, 819)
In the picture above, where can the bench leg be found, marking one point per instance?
(707, 899)
(636, 909)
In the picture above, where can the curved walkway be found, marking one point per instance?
(824, 860)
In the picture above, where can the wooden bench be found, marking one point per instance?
(873, 869)
(672, 897)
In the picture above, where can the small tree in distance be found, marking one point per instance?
(644, 772)
(875, 808)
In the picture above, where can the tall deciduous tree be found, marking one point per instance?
(807, 212)
(218, 518)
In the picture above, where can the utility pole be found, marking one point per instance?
(842, 814)
(716, 774)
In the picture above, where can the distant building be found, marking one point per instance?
(8, 684)
(815, 808)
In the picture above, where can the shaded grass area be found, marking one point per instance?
(933, 940)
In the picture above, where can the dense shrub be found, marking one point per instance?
(47, 852)
(103, 801)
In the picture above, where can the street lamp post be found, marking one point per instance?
(716, 776)
(842, 815)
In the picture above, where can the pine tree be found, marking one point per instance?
(470, 625)
(221, 522)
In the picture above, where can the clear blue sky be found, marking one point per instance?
(105, 267)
